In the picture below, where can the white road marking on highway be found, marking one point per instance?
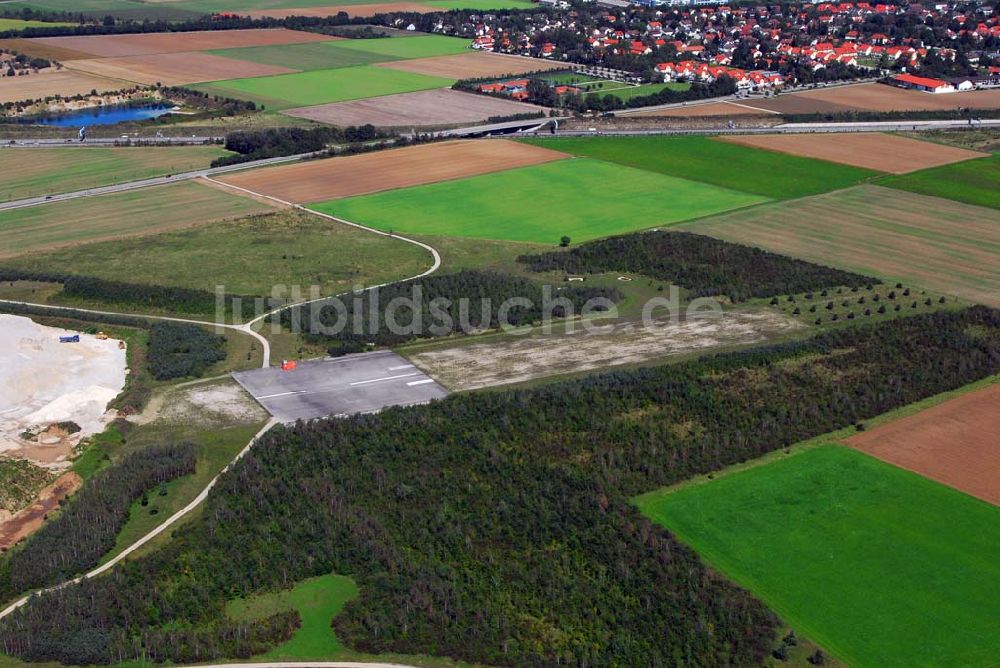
(421, 382)
(281, 394)
(385, 378)
(401, 366)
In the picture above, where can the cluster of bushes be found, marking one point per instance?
(275, 142)
(704, 265)
(178, 349)
(436, 306)
(496, 527)
(86, 528)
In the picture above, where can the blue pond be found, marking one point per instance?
(109, 115)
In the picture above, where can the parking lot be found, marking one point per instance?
(340, 386)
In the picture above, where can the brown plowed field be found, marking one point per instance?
(471, 65)
(438, 107)
(47, 83)
(710, 109)
(875, 97)
(28, 520)
(116, 46)
(172, 69)
(956, 443)
(352, 10)
(33, 47)
(333, 178)
(872, 150)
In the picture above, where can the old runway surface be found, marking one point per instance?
(362, 383)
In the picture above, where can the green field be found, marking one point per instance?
(876, 564)
(304, 89)
(318, 601)
(421, 46)
(973, 181)
(626, 93)
(565, 78)
(126, 9)
(59, 170)
(18, 24)
(106, 217)
(310, 56)
(582, 198)
(282, 248)
(773, 175)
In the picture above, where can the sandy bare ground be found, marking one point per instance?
(144, 44)
(220, 403)
(352, 10)
(333, 178)
(44, 381)
(944, 246)
(878, 151)
(875, 97)
(472, 65)
(516, 360)
(699, 110)
(28, 520)
(442, 106)
(956, 443)
(173, 69)
(50, 82)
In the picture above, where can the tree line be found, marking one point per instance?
(461, 302)
(274, 142)
(496, 527)
(85, 529)
(704, 265)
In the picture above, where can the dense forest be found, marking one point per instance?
(178, 349)
(272, 142)
(462, 302)
(704, 265)
(86, 528)
(496, 527)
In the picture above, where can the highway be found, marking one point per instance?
(66, 142)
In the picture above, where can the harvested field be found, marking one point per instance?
(299, 57)
(144, 44)
(472, 65)
(352, 10)
(33, 47)
(172, 69)
(955, 443)
(878, 151)
(939, 244)
(874, 97)
(28, 520)
(441, 106)
(49, 82)
(335, 178)
(130, 213)
(517, 360)
(710, 109)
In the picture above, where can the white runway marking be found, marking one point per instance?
(281, 394)
(420, 382)
(379, 380)
(401, 366)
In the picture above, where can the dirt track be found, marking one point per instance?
(875, 97)
(956, 443)
(172, 69)
(352, 10)
(881, 152)
(441, 106)
(333, 178)
(471, 65)
(145, 44)
(47, 83)
(28, 520)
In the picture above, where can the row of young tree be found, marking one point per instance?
(463, 302)
(178, 349)
(704, 265)
(496, 527)
(85, 529)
